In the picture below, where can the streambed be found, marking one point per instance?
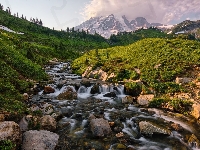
(74, 126)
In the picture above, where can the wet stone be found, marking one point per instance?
(100, 127)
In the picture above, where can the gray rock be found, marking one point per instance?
(39, 140)
(144, 99)
(100, 127)
(183, 80)
(10, 130)
(149, 128)
(48, 123)
(23, 124)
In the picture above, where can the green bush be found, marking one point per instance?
(7, 145)
(182, 106)
(133, 88)
(177, 105)
(158, 102)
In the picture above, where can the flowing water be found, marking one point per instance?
(74, 128)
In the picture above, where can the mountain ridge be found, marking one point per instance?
(106, 26)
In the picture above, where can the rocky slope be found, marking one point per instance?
(187, 26)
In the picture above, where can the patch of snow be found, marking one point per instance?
(181, 32)
(9, 30)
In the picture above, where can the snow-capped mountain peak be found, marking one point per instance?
(111, 24)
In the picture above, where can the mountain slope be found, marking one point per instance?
(106, 26)
(186, 25)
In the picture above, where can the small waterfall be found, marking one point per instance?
(84, 92)
(82, 89)
(89, 90)
(105, 88)
(120, 89)
(72, 87)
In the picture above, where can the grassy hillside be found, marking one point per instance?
(160, 61)
(131, 37)
(22, 56)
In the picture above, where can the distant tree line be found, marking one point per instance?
(33, 20)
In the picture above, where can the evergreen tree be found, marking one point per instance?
(9, 10)
(1, 7)
(40, 22)
(73, 29)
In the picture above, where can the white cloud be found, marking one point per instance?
(162, 11)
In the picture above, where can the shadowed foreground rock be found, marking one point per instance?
(39, 140)
(100, 127)
(9, 130)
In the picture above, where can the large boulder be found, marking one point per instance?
(95, 89)
(149, 128)
(67, 95)
(110, 94)
(86, 82)
(144, 100)
(196, 111)
(10, 130)
(100, 127)
(48, 90)
(48, 123)
(39, 140)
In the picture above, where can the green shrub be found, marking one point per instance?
(177, 105)
(133, 88)
(158, 102)
(182, 106)
(7, 145)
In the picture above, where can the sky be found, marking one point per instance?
(61, 14)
